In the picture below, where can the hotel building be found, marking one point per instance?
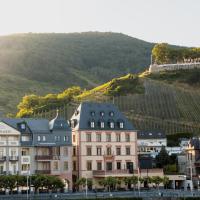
(104, 143)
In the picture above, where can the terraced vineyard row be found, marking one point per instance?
(161, 107)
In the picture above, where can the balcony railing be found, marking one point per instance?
(111, 172)
(13, 158)
(2, 158)
(47, 157)
(43, 171)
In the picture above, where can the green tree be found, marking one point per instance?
(160, 53)
(162, 158)
(157, 180)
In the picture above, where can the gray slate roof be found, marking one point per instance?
(195, 142)
(90, 111)
(150, 135)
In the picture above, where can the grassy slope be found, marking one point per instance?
(154, 102)
(43, 63)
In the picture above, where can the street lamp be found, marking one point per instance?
(86, 185)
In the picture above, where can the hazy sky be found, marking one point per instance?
(172, 21)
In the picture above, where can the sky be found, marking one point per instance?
(172, 21)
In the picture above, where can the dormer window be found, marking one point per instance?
(92, 124)
(121, 125)
(92, 113)
(112, 125)
(23, 126)
(102, 124)
(102, 113)
(111, 113)
(76, 112)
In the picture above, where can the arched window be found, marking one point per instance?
(102, 113)
(92, 113)
(111, 113)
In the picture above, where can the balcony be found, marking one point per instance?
(47, 157)
(13, 158)
(43, 171)
(115, 173)
(108, 156)
(3, 143)
(2, 158)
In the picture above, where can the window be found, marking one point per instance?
(128, 151)
(74, 138)
(111, 113)
(118, 151)
(23, 126)
(108, 151)
(44, 138)
(65, 151)
(89, 165)
(108, 137)
(66, 138)
(92, 124)
(57, 138)
(108, 166)
(112, 125)
(118, 137)
(121, 125)
(38, 138)
(88, 137)
(98, 151)
(89, 151)
(102, 113)
(102, 124)
(118, 165)
(92, 113)
(55, 165)
(25, 138)
(99, 165)
(127, 137)
(74, 165)
(74, 151)
(65, 165)
(98, 137)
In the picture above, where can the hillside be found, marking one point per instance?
(48, 63)
(165, 101)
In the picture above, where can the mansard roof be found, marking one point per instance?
(88, 112)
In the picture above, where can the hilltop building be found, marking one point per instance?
(105, 143)
(36, 146)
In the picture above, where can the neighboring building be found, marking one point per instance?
(105, 142)
(36, 146)
(150, 142)
(184, 143)
(193, 160)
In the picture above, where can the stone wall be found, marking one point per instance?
(170, 67)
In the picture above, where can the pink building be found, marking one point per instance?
(104, 143)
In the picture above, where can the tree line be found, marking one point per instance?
(11, 182)
(164, 53)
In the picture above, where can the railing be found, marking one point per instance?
(13, 158)
(25, 159)
(2, 158)
(47, 157)
(13, 143)
(111, 172)
(43, 171)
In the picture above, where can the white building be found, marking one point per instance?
(150, 142)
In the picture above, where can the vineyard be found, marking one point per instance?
(161, 107)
